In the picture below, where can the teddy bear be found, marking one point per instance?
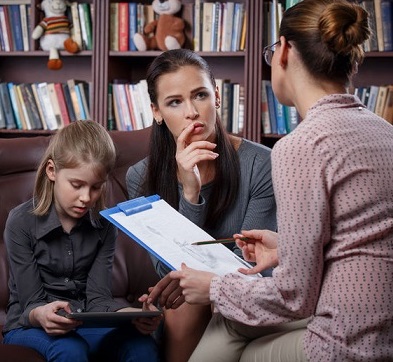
(54, 32)
(164, 33)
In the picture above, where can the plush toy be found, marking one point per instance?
(165, 33)
(54, 32)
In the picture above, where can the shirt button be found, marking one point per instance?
(69, 252)
(66, 280)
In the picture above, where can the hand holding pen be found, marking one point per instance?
(260, 247)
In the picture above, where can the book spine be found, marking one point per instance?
(16, 27)
(25, 27)
(132, 22)
(387, 28)
(62, 104)
(265, 110)
(76, 25)
(114, 27)
(7, 106)
(123, 27)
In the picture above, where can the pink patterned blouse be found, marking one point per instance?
(333, 181)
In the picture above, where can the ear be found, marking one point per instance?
(283, 53)
(156, 113)
(50, 170)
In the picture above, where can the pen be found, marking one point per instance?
(218, 241)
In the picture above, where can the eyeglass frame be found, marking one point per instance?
(268, 52)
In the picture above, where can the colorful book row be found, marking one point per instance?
(30, 106)
(276, 117)
(378, 99)
(15, 27)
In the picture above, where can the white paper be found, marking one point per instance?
(169, 235)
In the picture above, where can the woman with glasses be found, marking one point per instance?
(329, 298)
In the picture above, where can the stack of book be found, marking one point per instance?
(15, 32)
(43, 105)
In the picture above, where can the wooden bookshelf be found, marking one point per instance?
(101, 66)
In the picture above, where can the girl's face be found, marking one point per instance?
(76, 190)
(184, 97)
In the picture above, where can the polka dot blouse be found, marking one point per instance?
(333, 181)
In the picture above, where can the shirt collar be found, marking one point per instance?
(50, 222)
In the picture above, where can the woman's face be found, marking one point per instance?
(187, 96)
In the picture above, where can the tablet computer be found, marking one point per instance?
(110, 319)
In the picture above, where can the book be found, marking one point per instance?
(238, 17)
(226, 104)
(291, 118)
(132, 24)
(111, 123)
(76, 31)
(85, 25)
(84, 89)
(67, 98)
(23, 8)
(228, 12)
(5, 103)
(65, 117)
(197, 41)
(280, 117)
(16, 27)
(114, 26)
(266, 128)
(381, 99)
(170, 239)
(47, 107)
(3, 123)
(31, 105)
(387, 27)
(39, 104)
(17, 121)
(371, 45)
(272, 108)
(7, 28)
(79, 114)
(55, 105)
(379, 25)
(372, 99)
(207, 26)
(123, 26)
(23, 110)
(388, 109)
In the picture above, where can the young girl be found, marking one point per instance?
(219, 181)
(61, 252)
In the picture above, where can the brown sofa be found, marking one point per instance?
(133, 272)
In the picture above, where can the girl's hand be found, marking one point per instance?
(147, 325)
(188, 155)
(261, 248)
(195, 284)
(47, 317)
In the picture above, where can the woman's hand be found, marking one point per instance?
(167, 292)
(188, 155)
(261, 248)
(195, 284)
(47, 317)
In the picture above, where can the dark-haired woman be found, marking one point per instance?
(219, 181)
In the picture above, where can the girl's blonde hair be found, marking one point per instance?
(80, 142)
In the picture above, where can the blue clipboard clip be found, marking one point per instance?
(139, 204)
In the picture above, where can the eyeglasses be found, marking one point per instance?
(268, 52)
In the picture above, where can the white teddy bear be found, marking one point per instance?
(54, 32)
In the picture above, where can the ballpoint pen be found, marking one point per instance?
(218, 241)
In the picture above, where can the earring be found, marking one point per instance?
(159, 122)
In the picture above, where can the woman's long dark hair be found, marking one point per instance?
(161, 176)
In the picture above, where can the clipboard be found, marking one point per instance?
(168, 235)
(109, 319)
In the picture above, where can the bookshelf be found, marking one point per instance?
(101, 65)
